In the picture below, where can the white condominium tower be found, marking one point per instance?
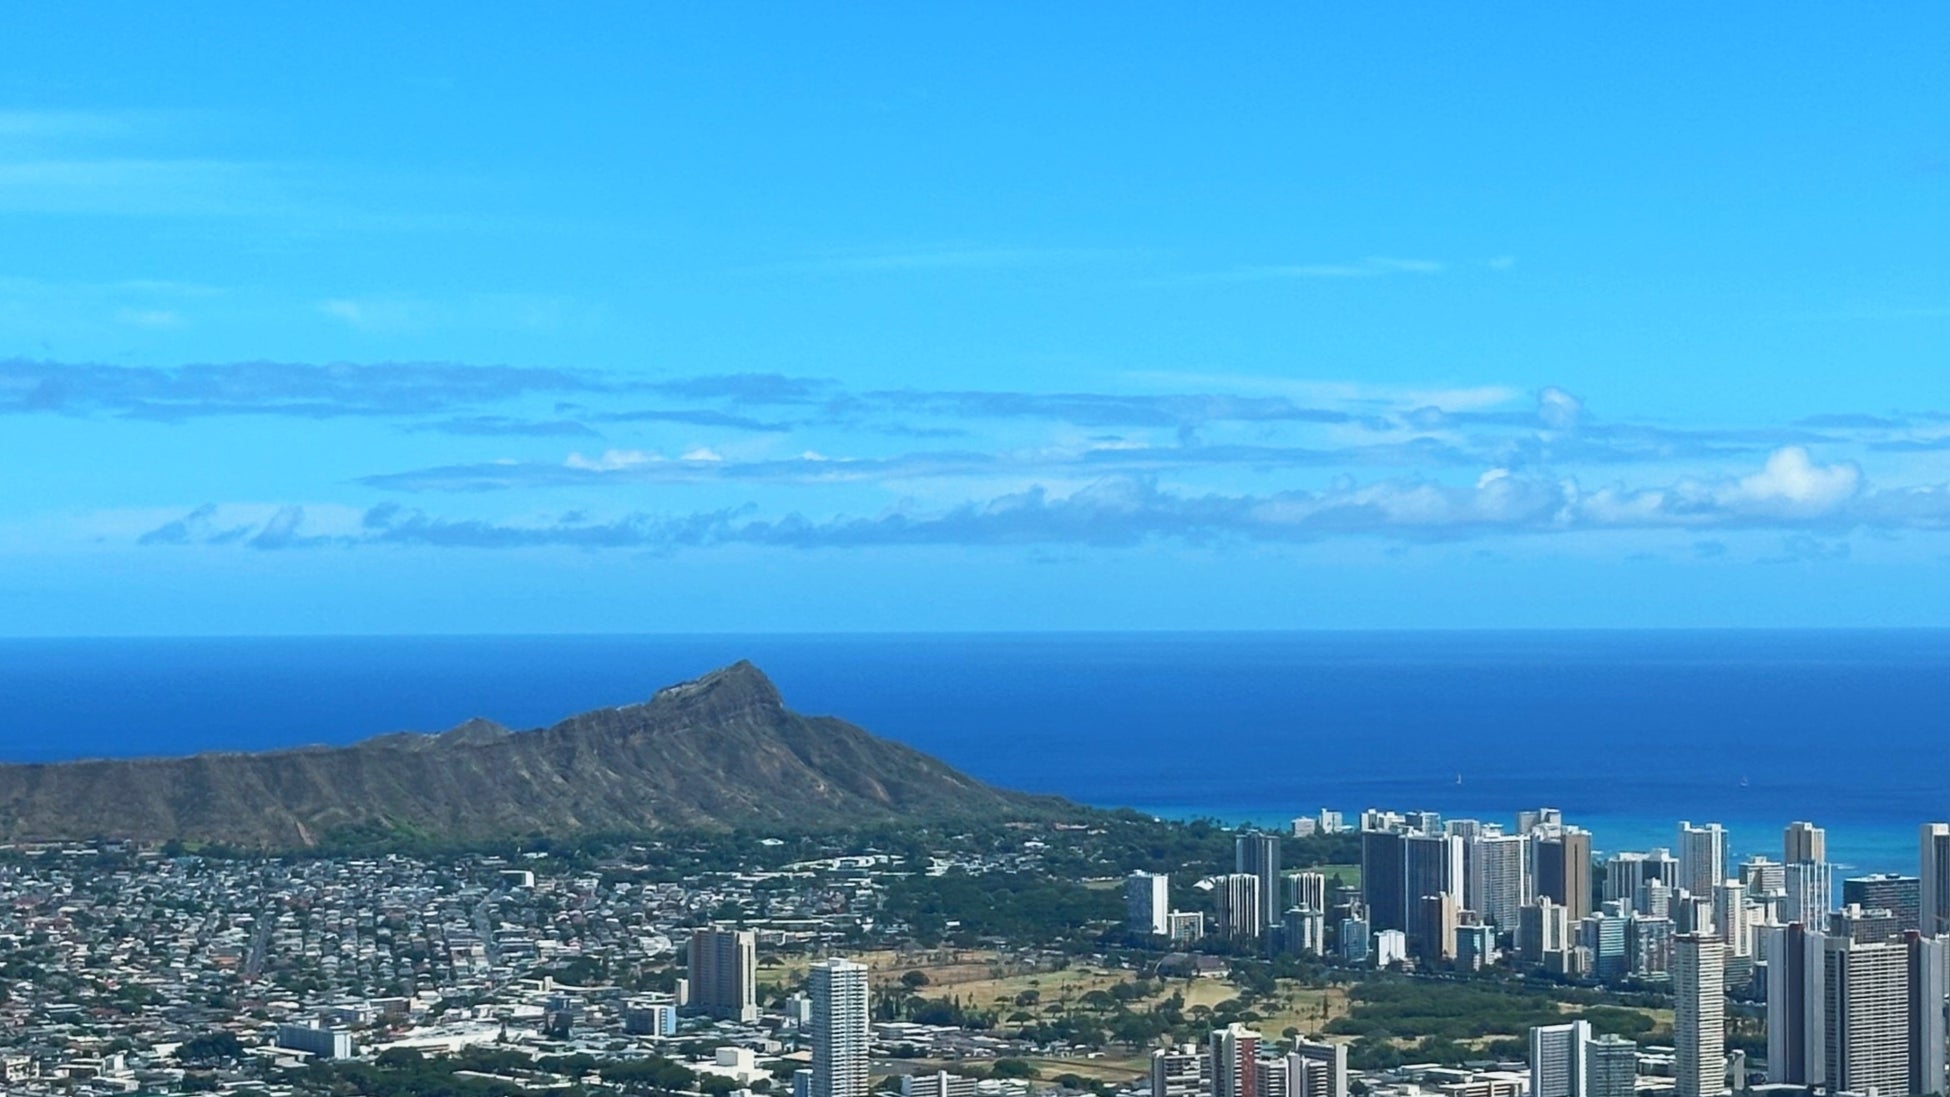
(1699, 1015)
(1854, 1016)
(1257, 853)
(1730, 918)
(1177, 1072)
(1557, 1059)
(1240, 912)
(1499, 878)
(838, 989)
(1810, 893)
(1147, 903)
(1307, 890)
(1316, 1070)
(1702, 858)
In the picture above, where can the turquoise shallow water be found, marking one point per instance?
(1627, 732)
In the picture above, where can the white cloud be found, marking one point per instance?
(1793, 485)
(1559, 409)
(612, 460)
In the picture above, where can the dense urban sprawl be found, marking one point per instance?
(1393, 955)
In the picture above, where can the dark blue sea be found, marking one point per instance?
(1627, 732)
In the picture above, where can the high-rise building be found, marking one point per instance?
(1624, 875)
(1542, 928)
(1390, 947)
(1605, 935)
(1866, 927)
(1702, 857)
(1383, 883)
(1865, 1010)
(655, 1019)
(1240, 911)
(839, 1032)
(1611, 1067)
(1557, 1059)
(1929, 987)
(1235, 1062)
(1803, 842)
(1807, 879)
(1692, 913)
(1147, 903)
(1564, 870)
(1258, 853)
(1730, 918)
(1303, 932)
(1355, 941)
(1331, 822)
(1699, 1015)
(1317, 1070)
(1528, 821)
(1377, 819)
(1499, 878)
(1662, 866)
(1794, 989)
(1272, 1071)
(1343, 903)
(1178, 1072)
(1307, 890)
(1900, 895)
(1808, 892)
(1649, 942)
(1432, 864)
(1475, 946)
(1432, 934)
(1627, 876)
(1855, 1017)
(1762, 878)
(1933, 885)
(1654, 899)
(724, 973)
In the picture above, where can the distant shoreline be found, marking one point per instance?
(1626, 731)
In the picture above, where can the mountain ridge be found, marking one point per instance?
(719, 751)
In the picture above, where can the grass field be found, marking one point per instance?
(990, 980)
(1349, 874)
(1033, 985)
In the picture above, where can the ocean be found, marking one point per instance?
(1626, 732)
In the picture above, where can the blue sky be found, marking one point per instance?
(766, 317)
